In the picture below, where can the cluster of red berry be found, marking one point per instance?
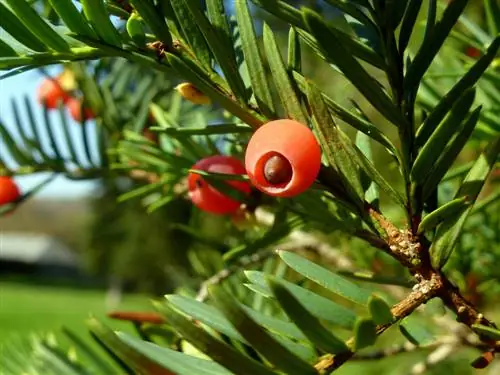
(9, 192)
(51, 92)
(282, 159)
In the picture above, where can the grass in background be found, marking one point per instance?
(29, 308)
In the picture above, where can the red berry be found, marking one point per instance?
(9, 191)
(473, 52)
(205, 196)
(51, 93)
(75, 109)
(151, 117)
(283, 158)
(150, 135)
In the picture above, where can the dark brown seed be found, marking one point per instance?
(483, 361)
(277, 170)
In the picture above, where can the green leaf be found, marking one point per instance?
(334, 145)
(214, 319)
(30, 18)
(372, 172)
(350, 118)
(414, 329)
(218, 350)
(486, 203)
(165, 8)
(380, 310)
(204, 130)
(219, 183)
(142, 190)
(177, 363)
(492, 12)
(136, 29)
(294, 51)
(450, 154)
(279, 326)
(431, 19)
(87, 140)
(223, 52)
(6, 50)
(29, 144)
(490, 332)
(218, 19)
(283, 224)
(408, 23)
(191, 32)
(317, 305)
(370, 277)
(75, 21)
(192, 73)
(357, 48)
(433, 148)
(393, 11)
(17, 30)
(204, 313)
(372, 194)
(348, 8)
(162, 201)
(98, 16)
(97, 361)
(449, 231)
(331, 44)
(253, 59)
(69, 140)
(262, 341)
(450, 209)
(56, 359)
(365, 333)
(129, 355)
(466, 82)
(307, 323)
(153, 19)
(325, 278)
(32, 123)
(432, 44)
(282, 10)
(46, 58)
(13, 149)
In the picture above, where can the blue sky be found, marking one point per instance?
(17, 87)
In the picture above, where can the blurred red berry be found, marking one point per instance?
(9, 192)
(75, 109)
(50, 93)
(137, 316)
(205, 196)
(150, 135)
(283, 158)
(473, 52)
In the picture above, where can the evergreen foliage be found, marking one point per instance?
(359, 252)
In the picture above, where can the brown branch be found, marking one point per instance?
(423, 292)
(413, 253)
(466, 312)
(373, 240)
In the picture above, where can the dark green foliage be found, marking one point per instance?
(407, 120)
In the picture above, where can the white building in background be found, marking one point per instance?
(37, 250)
